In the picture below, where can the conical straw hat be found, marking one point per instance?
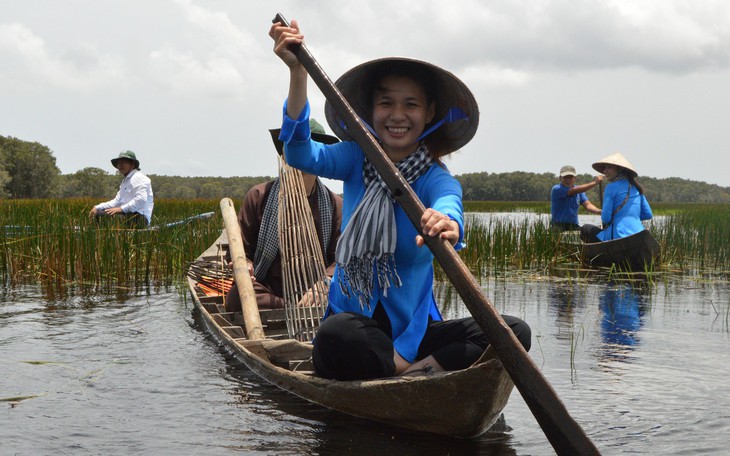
(451, 92)
(616, 159)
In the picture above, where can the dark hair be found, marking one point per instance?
(631, 177)
(436, 141)
(635, 183)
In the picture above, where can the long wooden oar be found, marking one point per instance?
(564, 434)
(600, 192)
(251, 317)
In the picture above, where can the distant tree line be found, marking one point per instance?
(28, 170)
(523, 186)
(97, 183)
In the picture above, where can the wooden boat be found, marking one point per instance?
(638, 252)
(461, 403)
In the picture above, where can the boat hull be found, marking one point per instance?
(462, 403)
(638, 252)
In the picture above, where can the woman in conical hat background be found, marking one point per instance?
(624, 204)
(382, 318)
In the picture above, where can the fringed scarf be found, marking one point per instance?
(367, 245)
(267, 246)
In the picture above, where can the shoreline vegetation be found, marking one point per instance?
(28, 170)
(53, 242)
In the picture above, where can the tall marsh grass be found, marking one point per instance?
(695, 239)
(55, 243)
(499, 245)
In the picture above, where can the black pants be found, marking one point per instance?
(564, 226)
(350, 346)
(133, 220)
(589, 233)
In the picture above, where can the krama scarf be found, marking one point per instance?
(366, 247)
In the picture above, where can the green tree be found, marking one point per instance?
(211, 190)
(89, 182)
(4, 175)
(32, 169)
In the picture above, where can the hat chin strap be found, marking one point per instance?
(453, 115)
(367, 125)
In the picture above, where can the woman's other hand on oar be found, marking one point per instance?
(434, 223)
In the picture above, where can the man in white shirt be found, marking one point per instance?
(134, 200)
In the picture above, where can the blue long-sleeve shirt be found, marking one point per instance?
(409, 306)
(564, 207)
(627, 220)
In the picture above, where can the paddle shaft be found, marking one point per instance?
(249, 308)
(564, 434)
(600, 192)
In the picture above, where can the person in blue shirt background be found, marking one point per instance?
(382, 318)
(624, 204)
(566, 198)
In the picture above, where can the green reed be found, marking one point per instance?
(507, 206)
(696, 237)
(498, 245)
(55, 243)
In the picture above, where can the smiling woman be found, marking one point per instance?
(401, 111)
(377, 325)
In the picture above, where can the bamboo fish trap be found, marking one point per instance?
(305, 280)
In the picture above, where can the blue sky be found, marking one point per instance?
(193, 86)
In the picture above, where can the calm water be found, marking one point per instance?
(644, 372)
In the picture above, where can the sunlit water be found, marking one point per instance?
(644, 370)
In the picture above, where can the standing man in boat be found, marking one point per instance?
(258, 220)
(134, 200)
(566, 198)
(382, 318)
(624, 204)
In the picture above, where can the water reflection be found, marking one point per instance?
(566, 300)
(622, 309)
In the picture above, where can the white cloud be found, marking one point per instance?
(556, 35)
(185, 73)
(212, 57)
(28, 64)
(556, 80)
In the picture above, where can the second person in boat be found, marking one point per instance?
(382, 318)
(624, 204)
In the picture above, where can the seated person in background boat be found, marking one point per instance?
(134, 200)
(382, 318)
(566, 198)
(624, 203)
(259, 228)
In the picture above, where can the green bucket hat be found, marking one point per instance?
(128, 155)
(318, 135)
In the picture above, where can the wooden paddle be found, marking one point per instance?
(251, 317)
(600, 191)
(564, 434)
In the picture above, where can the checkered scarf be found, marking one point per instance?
(367, 245)
(267, 246)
